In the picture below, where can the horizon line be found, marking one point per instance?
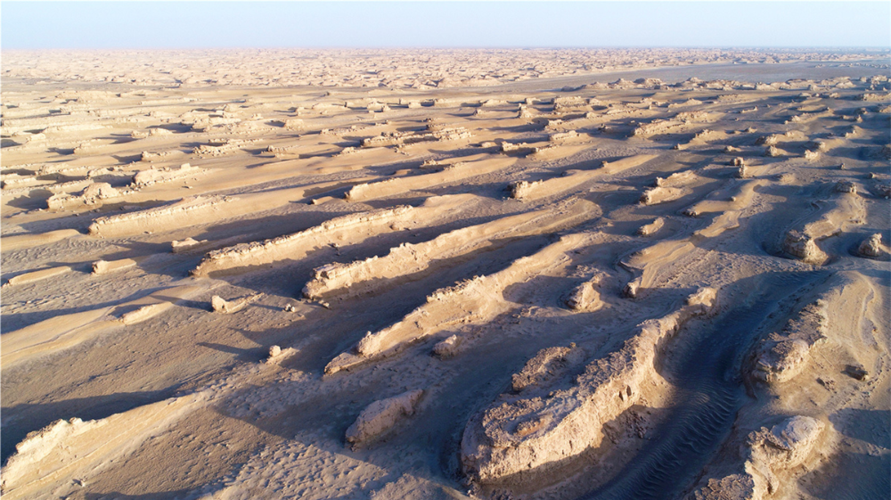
(471, 47)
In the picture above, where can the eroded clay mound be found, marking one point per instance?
(785, 355)
(66, 450)
(458, 172)
(873, 248)
(381, 415)
(410, 258)
(356, 227)
(844, 211)
(769, 456)
(93, 194)
(586, 297)
(673, 187)
(652, 227)
(549, 364)
(168, 174)
(528, 191)
(158, 218)
(521, 435)
(471, 302)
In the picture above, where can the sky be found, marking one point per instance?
(207, 24)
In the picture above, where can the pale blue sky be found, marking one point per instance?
(83, 25)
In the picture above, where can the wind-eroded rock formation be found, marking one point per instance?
(381, 415)
(520, 435)
(464, 222)
(845, 210)
(64, 451)
(784, 355)
(411, 258)
(471, 302)
(768, 454)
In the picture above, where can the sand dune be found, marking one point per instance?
(65, 331)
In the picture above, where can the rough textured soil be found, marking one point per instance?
(467, 274)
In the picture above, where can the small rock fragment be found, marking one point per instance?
(845, 187)
(220, 305)
(448, 347)
(277, 355)
(871, 247)
(857, 371)
(382, 415)
(782, 361)
(585, 297)
(802, 246)
(652, 227)
(186, 244)
(632, 288)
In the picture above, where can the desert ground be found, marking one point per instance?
(419, 274)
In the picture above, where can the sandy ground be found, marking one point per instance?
(446, 274)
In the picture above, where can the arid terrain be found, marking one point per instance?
(504, 274)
